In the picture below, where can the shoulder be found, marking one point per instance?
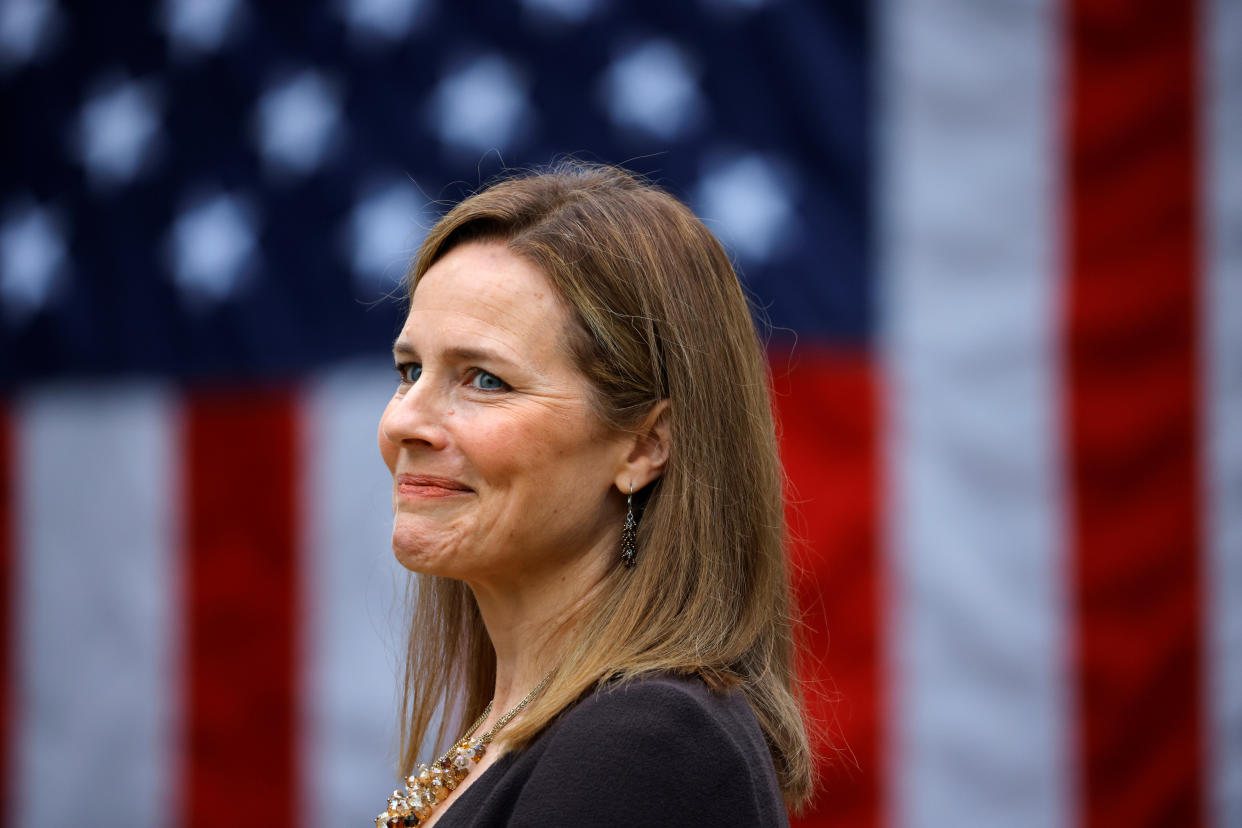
(651, 751)
(664, 713)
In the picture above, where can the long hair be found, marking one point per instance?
(658, 314)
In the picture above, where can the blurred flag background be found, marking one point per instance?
(999, 245)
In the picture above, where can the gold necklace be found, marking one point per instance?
(427, 787)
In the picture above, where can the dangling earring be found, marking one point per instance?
(629, 532)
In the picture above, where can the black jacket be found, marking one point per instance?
(659, 751)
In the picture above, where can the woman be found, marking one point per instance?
(585, 478)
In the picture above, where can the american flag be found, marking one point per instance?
(999, 248)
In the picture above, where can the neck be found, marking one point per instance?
(524, 618)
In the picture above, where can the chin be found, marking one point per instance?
(413, 555)
(420, 563)
(418, 552)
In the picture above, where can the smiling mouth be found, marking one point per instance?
(424, 486)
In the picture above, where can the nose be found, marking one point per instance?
(414, 418)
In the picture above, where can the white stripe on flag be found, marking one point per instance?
(97, 620)
(354, 594)
(977, 634)
(1222, 346)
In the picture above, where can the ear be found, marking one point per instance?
(648, 450)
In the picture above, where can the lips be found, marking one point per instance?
(424, 485)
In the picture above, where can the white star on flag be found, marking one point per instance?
(118, 131)
(652, 88)
(297, 121)
(562, 11)
(27, 29)
(197, 27)
(480, 107)
(384, 229)
(210, 247)
(32, 258)
(747, 203)
(381, 21)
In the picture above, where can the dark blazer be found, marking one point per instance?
(658, 751)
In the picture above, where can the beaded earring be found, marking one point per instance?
(629, 532)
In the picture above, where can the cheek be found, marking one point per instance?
(496, 450)
(550, 453)
(535, 456)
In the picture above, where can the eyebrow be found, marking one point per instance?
(461, 353)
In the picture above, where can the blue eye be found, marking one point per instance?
(488, 382)
(409, 371)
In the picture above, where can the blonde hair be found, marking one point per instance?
(659, 314)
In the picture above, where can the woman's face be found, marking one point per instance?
(500, 469)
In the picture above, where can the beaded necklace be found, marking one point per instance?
(427, 787)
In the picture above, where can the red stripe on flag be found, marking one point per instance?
(826, 412)
(8, 608)
(1131, 405)
(241, 581)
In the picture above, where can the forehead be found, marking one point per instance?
(484, 290)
